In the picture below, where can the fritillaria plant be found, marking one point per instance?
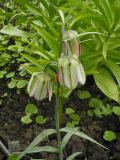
(69, 73)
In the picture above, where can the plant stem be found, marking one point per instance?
(57, 118)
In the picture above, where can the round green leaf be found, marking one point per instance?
(26, 119)
(12, 84)
(109, 135)
(12, 157)
(70, 125)
(69, 111)
(83, 94)
(95, 103)
(10, 75)
(21, 83)
(31, 109)
(40, 119)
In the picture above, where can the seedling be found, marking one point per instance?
(14, 83)
(2, 73)
(98, 108)
(74, 118)
(30, 110)
(40, 120)
(83, 94)
(109, 136)
(10, 75)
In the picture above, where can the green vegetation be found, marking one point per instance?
(51, 48)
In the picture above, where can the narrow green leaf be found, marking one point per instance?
(32, 60)
(105, 49)
(72, 156)
(85, 34)
(44, 149)
(50, 40)
(30, 6)
(80, 134)
(66, 139)
(36, 141)
(30, 69)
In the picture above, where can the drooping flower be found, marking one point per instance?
(39, 86)
(71, 47)
(70, 72)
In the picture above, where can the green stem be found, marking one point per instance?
(57, 119)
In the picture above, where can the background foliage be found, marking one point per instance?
(31, 31)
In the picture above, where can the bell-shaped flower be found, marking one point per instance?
(70, 72)
(39, 86)
(71, 47)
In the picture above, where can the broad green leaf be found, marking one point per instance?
(115, 69)
(106, 83)
(14, 31)
(114, 55)
(116, 110)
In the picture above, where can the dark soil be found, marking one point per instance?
(11, 128)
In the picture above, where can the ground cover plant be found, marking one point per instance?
(43, 39)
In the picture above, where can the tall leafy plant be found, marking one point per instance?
(100, 55)
(61, 58)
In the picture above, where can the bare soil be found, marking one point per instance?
(11, 128)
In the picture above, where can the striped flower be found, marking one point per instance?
(70, 72)
(39, 86)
